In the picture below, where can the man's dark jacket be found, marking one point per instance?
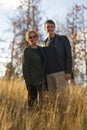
(63, 53)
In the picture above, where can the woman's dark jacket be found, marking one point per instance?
(33, 65)
(59, 49)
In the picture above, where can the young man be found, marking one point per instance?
(58, 60)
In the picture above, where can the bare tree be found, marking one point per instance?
(76, 31)
(27, 16)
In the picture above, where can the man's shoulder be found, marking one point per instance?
(60, 36)
(63, 38)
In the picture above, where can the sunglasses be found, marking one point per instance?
(32, 37)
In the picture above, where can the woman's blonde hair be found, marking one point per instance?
(29, 32)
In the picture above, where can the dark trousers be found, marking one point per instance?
(33, 92)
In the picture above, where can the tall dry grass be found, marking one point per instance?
(15, 116)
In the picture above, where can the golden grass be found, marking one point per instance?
(15, 116)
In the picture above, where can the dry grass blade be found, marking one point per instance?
(14, 113)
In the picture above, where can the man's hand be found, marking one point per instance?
(68, 76)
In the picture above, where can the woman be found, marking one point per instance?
(33, 67)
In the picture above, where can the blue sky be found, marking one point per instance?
(59, 8)
(53, 9)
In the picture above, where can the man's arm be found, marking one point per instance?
(68, 58)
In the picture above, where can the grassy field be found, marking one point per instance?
(14, 114)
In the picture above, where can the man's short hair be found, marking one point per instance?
(49, 21)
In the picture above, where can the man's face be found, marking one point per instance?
(49, 28)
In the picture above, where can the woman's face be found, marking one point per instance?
(33, 38)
